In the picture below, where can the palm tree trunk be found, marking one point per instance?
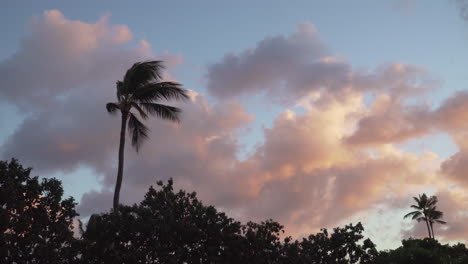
(428, 229)
(118, 183)
(432, 229)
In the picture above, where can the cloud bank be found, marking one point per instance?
(335, 160)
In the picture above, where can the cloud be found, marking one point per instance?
(64, 136)
(68, 126)
(316, 169)
(307, 177)
(289, 68)
(389, 121)
(198, 153)
(332, 161)
(452, 117)
(266, 64)
(62, 74)
(453, 203)
(463, 8)
(61, 55)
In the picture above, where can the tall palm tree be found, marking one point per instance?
(423, 205)
(142, 90)
(434, 216)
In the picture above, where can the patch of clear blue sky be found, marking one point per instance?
(77, 182)
(368, 32)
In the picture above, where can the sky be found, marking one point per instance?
(313, 113)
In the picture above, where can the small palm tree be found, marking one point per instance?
(422, 206)
(142, 90)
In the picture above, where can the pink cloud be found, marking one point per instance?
(313, 169)
(388, 121)
(288, 68)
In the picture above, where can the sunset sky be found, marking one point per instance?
(315, 114)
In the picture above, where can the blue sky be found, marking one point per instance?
(366, 35)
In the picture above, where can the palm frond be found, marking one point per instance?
(140, 110)
(152, 92)
(142, 73)
(435, 215)
(112, 108)
(440, 222)
(138, 131)
(162, 111)
(413, 214)
(432, 201)
(423, 199)
(120, 90)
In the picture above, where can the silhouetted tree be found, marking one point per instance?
(344, 245)
(423, 205)
(262, 242)
(35, 223)
(166, 227)
(142, 90)
(175, 227)
(427, 251)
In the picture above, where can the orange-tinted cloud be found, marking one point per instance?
(333, 160)
(389, 121)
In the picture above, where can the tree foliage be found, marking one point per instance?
(175, 227)
(166, 227)
(344, 245)
(35, 222)
(427, 251)
(170, 226)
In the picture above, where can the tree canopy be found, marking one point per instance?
(35, 222)
(170, 226)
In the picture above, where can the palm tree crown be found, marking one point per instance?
(142, 90)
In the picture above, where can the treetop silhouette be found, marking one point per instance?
(426, 210)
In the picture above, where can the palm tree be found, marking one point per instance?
(142, 90)
(435, 216)
(423, 205)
